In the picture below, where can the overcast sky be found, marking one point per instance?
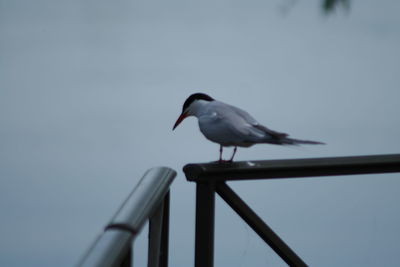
(89, 92)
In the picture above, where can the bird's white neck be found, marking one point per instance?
(197, 108)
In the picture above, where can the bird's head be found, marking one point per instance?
(190, 106)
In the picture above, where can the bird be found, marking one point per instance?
(229, 126)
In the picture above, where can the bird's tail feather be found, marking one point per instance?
(291, 141)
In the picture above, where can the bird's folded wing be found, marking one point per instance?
(249, 119)
(244, 114)
(274, 134)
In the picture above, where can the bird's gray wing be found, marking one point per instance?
(249, 119)
(234, 127)
(274, 134)
(241, 126)
(244, 114)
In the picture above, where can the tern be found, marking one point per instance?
(228, 125)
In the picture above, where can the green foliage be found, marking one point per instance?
(329, 6)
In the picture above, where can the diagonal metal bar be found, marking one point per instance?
(259, 226)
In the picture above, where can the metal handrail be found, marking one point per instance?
(292, 168)
(210, 178)
(148, 200)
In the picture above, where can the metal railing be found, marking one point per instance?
(149, 200)
(211, 178)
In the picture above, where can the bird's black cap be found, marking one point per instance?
(197, 96)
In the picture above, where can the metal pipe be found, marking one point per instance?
(144, 199)
(112, 246)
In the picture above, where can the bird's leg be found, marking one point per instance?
(234, 152)
(220, 153)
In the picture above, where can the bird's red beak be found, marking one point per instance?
(180, 119)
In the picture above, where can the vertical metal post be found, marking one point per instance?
(155, 228)
(205, 211)
(158, 235)
(128, 259)
(165, 233)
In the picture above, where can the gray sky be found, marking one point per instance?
(89, 91)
